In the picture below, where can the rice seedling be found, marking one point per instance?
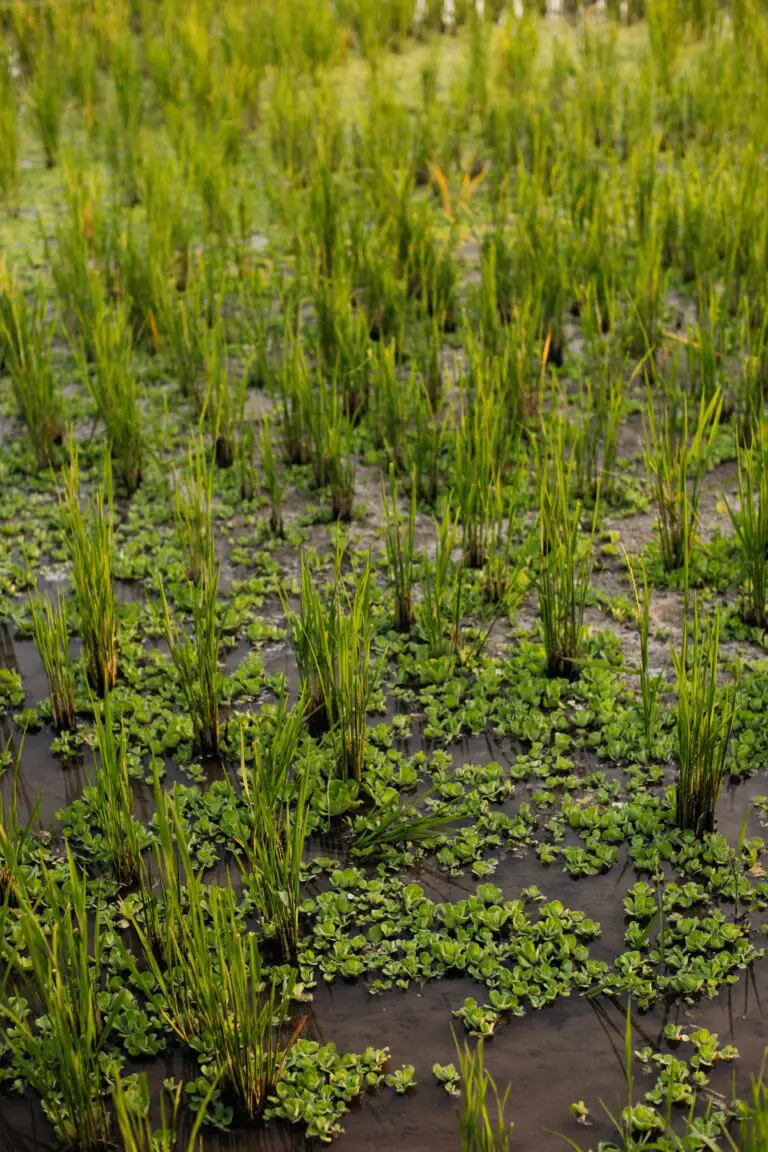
(399, 822)
(752, 374)
(219, 406)
(90, 541)
(114, 387)
(50, 630)
(749, 517)
(389, 404)
(193, 511)
(46, 96)
(650, 686)
(565, 564)
(481, 448)
(341, 470)
(314, 634)
(76, 255)
(479, 1131)
(113, 796)
(400, 550)
(272, 846)
(9, 132)
(296, 401)
(273, 484)
(647, 295)
(676, 456)
(666, 24)
(60, 1051)
(212, 990)
(180, 328)
(131, 1105)
(705, 345)
(16, 846)
(424, 448)
(705, 717)
(26, 336)
(195, 656)
(245, 445)
(353, 674)
(437, 618)
(752, 1133)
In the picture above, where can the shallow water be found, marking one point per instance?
(569, 1051)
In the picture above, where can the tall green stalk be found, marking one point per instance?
(58, 1049)
(210, 985)
(195, 656)
(114, 386)
(50, 630)
(749, 517)
(90, 540)
(277, 823)
(113, 796)
(705, 717)
(400, 549)
(26, 336)
(193, 509)
(676, 457)
(565, 570)
(478, 1131)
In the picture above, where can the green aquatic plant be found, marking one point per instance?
(9, 133)
(273, 484)
(400, 549)
(50, 629)
(195, 656)
(705, 717)
(90, 540)
(193, 510)
(113, 796)
(26, 336)
(16, 843)
(315, 638)
(133, 1116)
(210, 986)
(650, 686)
(60, 1048)
(478, 1130)
(113, 383)
(749, 517)
(272, 844)
(676, 458)
(565, 569)
(349, 688)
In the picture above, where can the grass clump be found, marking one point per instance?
(212, 990)
(195, 656)
(676, 457)
(131, 1104)
(400, 550)
(479, 1130)
(705, 717)
(749, 517)
(276, 793)
(90, 540)
(50, 630)
(113, 795)
(59, 1050)
(565, 569)
(26, 336)
(114, 387)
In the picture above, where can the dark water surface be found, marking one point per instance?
(570, 1051)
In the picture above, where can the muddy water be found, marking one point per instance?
(572, 1050)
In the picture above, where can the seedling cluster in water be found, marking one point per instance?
(384, 509)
